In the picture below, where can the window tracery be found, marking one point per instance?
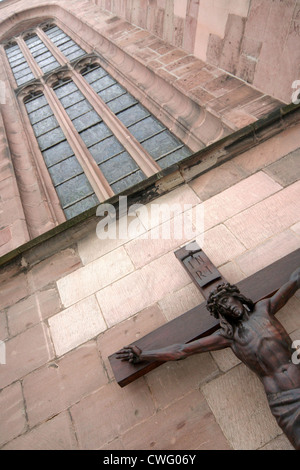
(94, 138)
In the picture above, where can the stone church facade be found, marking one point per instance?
(173, 104)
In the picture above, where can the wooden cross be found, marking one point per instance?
(197, 322)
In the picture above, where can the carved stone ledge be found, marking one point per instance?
(55, 76)
(89, 59)
(32, 88)
(28, 34)
(47, 24)
(8, 43)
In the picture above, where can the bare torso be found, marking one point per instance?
(264, 346)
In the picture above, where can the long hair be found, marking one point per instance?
(219, 312)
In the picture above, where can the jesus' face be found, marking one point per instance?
(233, 306)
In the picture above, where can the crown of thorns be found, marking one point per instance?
(220, 291)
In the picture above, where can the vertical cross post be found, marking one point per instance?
(199, 267)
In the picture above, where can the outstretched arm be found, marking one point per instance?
(174, 352)
(278, 300)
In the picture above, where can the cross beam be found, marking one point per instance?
(197, 323)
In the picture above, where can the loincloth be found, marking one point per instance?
(285, 407)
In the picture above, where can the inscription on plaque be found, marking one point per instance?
(201, 269)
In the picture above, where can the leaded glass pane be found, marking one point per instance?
(17, 61)
(121, 103)
(43, 55)
(81, 206)
(36, 103)
(146, 128)
(57, 153)
(50, 138)
(25, 79)
(86, 120)
(161, 144)
(45, 125)
(65, 89)
(95, 134)
(102, 83)
(21, 73)
(74, 190)
(11, 49)
(71, 99)
(94, 74)
(61, 41)
(52, 31)
(111, 92)
(69, 47)
(64, 170)
(40, 114)
(116, 167)
(133, 115)
(20, 67)
(105, 149)
(78, 109)
(128, 181)
(174, 157)
(38, 49)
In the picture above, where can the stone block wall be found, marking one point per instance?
(255, 40)
(70, 302)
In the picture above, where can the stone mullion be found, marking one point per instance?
(9, 170)
(133, 147)
(37, 72)
(96, 178)
(61, 59)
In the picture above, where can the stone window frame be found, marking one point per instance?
(44, 83)
(195, 126)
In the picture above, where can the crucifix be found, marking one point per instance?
(243, 318)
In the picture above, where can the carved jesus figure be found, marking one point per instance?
(257, 338)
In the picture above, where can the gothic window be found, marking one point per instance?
(18, 64)
(93, 137)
